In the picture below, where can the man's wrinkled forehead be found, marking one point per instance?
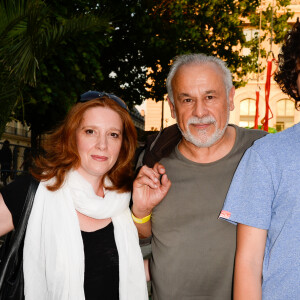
(195, 74)
(199, 64)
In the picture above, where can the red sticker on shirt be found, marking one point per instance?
(225, 214)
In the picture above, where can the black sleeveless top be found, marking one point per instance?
(101, 277)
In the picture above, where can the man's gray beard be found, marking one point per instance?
(202, 140)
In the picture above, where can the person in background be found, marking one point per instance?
(5, 161)
(264, 200)
(15, 156)
(27, 159)
(81, 242)
(193, 251)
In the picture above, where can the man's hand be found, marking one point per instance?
(149, 188)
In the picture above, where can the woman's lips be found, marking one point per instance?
(99, 158)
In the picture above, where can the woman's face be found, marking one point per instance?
(99, 140)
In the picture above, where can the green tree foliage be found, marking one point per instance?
(149, 33)
(30, 33)
(72, 68)
(212, 27)
(133, 59)
(273, 21)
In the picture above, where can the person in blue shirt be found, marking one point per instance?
(264, 200)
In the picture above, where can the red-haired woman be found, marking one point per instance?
(80, 241)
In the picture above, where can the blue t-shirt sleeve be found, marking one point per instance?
(250, 196)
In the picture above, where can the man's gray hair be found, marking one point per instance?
(198, 58)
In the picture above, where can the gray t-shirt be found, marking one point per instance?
(192, 251)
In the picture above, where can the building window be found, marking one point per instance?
(249, 35)
(247, 112)
(285, 114)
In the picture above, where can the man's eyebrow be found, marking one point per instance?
(210, 92)
(184, 95)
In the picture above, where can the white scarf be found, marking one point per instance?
(53, 249)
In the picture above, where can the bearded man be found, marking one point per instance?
(192, 251)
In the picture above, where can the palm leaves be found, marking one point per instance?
(29, 32)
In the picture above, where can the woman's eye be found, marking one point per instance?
(89, 131)
(115, 135)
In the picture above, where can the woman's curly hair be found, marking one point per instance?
(287, 74)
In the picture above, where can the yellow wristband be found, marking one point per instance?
(141, 221)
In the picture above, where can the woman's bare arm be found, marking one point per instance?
(6, 221)
(250, 250)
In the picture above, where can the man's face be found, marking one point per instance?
(201, 106)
